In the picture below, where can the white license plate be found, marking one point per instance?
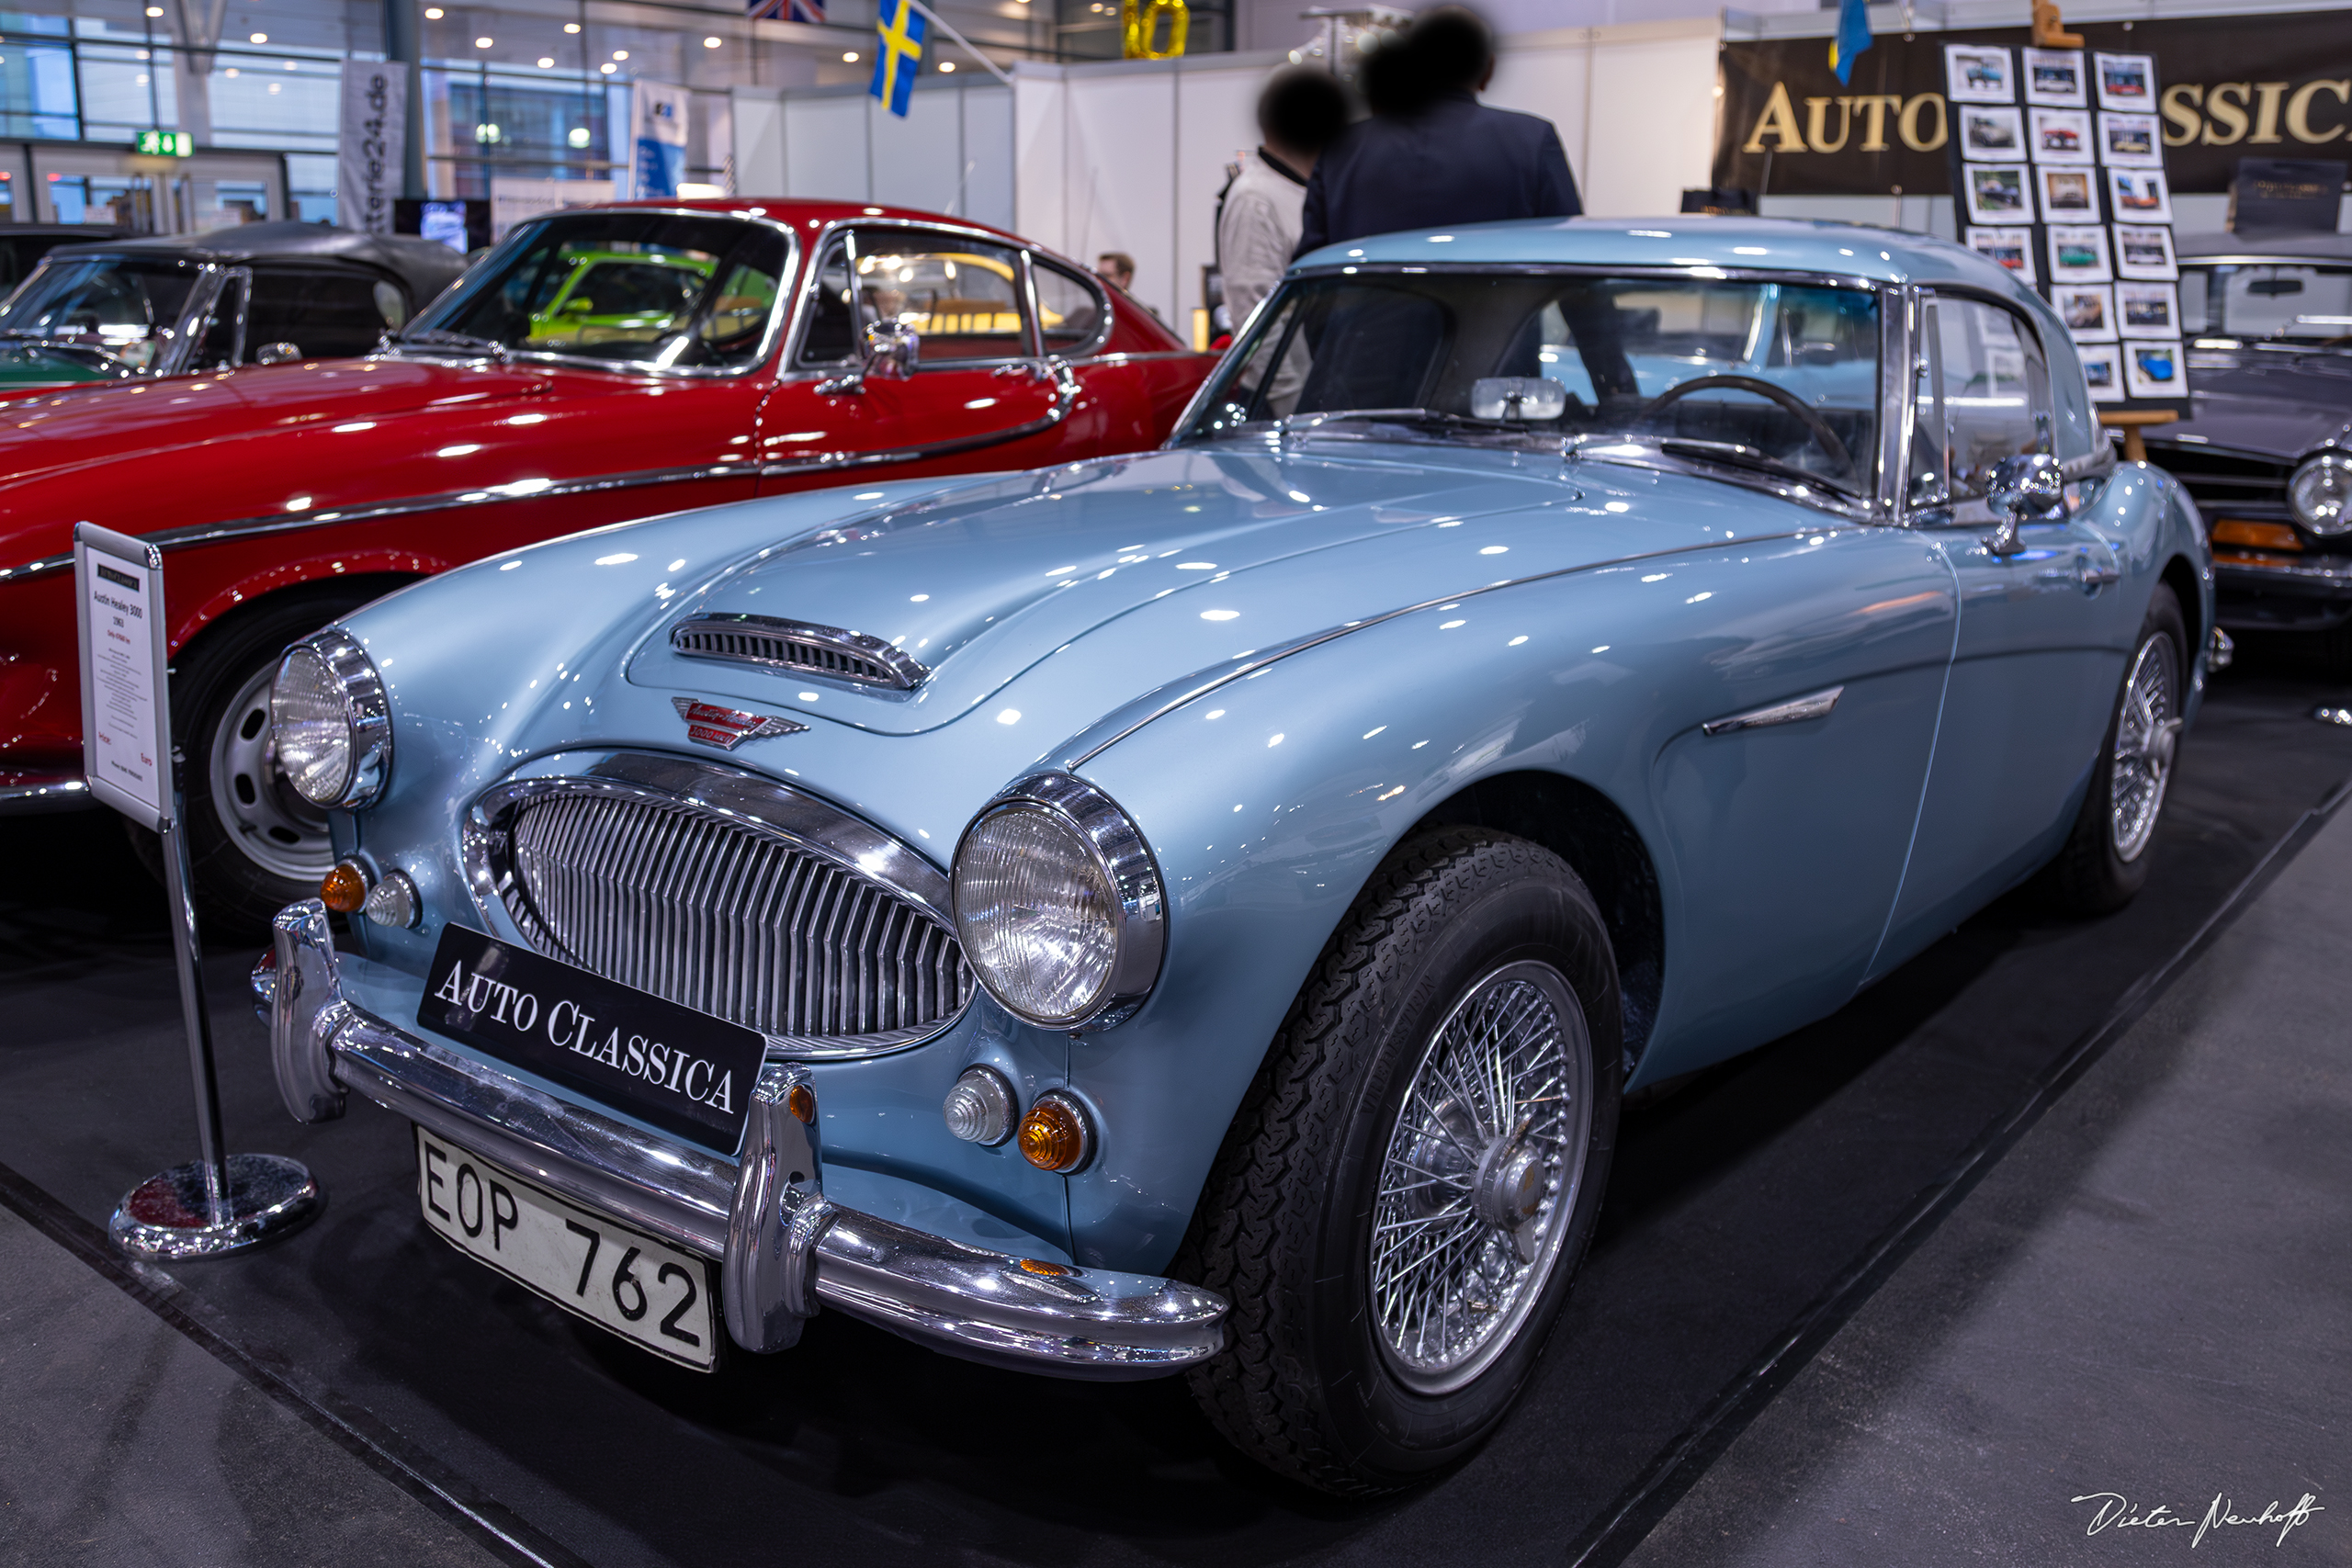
(645, 1290)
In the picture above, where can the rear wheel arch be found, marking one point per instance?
(1600, 842)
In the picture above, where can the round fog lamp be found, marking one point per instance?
(2321, 493)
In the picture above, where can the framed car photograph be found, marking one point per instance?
(2129, 141)
(2054, 76)
(2087, 309)
(2068, 196)
(2153, 370)
(2138, 196)
(2103, 368)
(2147, 309)
(2062, 136)
(2013, 248)
(1991, 131)
(2145, 252)
(2125, 81)
(2078, 253)
(1996, 193)
(1978, 74)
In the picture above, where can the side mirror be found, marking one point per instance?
(2028, 489)
(889, 349)
(275, 353)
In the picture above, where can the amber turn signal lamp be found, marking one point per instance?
(2261, 535)
(344, 889)
(802, 1102)
(1054, 1134)
(1039, 1266)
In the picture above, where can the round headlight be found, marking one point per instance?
(330, 725)
(1057, 905)
(2321, 493)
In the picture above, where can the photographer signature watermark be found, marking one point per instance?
(2114, 1510)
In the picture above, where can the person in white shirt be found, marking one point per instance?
(1301, 112)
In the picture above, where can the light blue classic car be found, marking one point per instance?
(1201, 911)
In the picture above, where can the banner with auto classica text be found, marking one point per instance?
(2275, 86)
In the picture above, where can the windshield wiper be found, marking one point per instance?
(1736, 455)
(432, 335)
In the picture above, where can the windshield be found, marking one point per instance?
(2306, 301)
(636, 288)
(127, 310)
(1777, 375)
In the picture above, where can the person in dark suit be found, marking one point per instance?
(1432, 155)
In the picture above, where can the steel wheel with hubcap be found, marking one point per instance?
(1403, 1198)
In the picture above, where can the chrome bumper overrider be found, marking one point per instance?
(782, 1245)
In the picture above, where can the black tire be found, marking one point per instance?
(2105, 862)
(254, 845)
(1309, 1384)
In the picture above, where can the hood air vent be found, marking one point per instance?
(796, 645)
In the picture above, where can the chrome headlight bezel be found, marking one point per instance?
(1138, 917)
(2335, 464)
(366, 717)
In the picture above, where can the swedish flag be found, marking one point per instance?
(899, 54)
(1853, 36)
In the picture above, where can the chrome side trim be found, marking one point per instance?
(1141, 915)
(1066, 391)
(744, 801)
(1795, 710)
(832, 651)
(27, 794)
(200, 533)
(1023, 1314)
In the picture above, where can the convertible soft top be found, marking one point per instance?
(427, 266)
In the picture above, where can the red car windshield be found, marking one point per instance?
(649, 289)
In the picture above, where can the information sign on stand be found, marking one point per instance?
(222, 1203)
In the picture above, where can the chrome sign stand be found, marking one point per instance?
(224, 1203)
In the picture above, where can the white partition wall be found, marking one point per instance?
(1129, 155)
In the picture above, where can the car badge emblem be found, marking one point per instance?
(730, 728)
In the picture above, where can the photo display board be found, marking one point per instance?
(2058, 174)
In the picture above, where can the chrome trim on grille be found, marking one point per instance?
(726, 892)
(800, 647)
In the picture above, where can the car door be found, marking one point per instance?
(2042, 631)
(981, 394)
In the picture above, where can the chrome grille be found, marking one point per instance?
(800, 647)
(667, 896)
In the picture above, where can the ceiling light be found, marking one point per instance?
(231, 72)
(259, 37)
(546, 61)
(710, 43)
(608, 68)
(433, 13)
(577, 136)
(571, 27)
(482, 43)
(945, 66)
(155, 10)
(620, 54)
(849, 57)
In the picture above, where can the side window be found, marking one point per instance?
(327, 315)
(1983, 394)
(963, 297)
(1071, 314)
(830, 337)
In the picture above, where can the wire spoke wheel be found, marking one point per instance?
(1480, 1176)
(2147, 730)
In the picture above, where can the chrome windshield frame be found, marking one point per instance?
(1876, 503)
(477, 277)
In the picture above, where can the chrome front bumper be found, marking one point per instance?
(782, 1245)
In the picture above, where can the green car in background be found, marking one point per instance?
(632, 296)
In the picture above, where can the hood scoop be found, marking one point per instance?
(800, 647)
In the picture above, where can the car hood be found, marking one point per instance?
(1151, 567)
(2274, 404)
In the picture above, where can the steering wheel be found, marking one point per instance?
(1813, 422)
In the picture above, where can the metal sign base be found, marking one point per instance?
(172, 1216)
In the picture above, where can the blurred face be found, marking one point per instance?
(1110, 271)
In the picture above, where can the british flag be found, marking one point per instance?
(809, 11)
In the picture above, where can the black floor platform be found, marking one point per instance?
(1737, 1207)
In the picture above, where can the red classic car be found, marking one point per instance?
(601, 365)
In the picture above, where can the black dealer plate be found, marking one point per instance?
(681, 1070)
